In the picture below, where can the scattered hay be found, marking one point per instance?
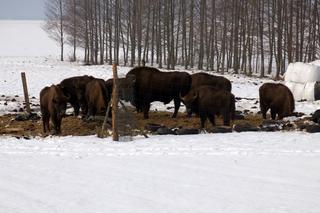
(75, 126)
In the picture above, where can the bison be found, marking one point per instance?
(97, 98)
(316, 116)
(276, 97)
(211, 102)
(74, 88)
(125, 87)
(53, 104)
(204, 79)
(153, 85)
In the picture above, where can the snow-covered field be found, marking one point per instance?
(235, 172)
(247, 172)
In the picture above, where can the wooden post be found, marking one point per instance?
(25, 91)
(115, 99)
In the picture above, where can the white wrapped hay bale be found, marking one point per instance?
(302, 73)
(317, 62)
(303, 80)
(297, 89)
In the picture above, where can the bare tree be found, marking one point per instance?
(55, 15)
(214, 34)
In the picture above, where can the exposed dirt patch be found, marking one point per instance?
(72, 125)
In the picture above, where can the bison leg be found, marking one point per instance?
(189, 112)
(273, 113)
(211, 118)
(203, 119)
(264, 110)
(56, 124)
(226, 119)
(145, 109)
(92, 110)
(45, 122)
(76, 108)
(280, 115)
(176, 107)
(75, 104)
(84, 108)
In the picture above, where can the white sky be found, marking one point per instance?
(22, 9)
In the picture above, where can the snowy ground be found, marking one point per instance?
(247, 172)
(235, 172)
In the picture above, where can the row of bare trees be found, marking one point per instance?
(249, 36)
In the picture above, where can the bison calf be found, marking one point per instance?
(210, 102)
(276, 97)
(53, 105)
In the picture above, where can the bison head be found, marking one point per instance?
(59, 101)
(189, 100)
(60, 104)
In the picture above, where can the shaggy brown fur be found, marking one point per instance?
(154, 85)
(126, 86)
(211, 102)
(276, 97)
(74, 88)
(97, 97)
(202, 79)
(53, 105)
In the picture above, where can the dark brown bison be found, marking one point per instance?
(126, 87)
(211, 102)
(154, 85)
(109, 86)
(276, 97)
(204, 79)
(316, 116)
(74, 88)
(97, 98)
(53, 105)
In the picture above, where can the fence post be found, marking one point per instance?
(115, 99)
(25, 91)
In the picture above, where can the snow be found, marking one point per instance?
(25, 38)
(233, 172)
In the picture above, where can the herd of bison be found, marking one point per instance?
(203, 94)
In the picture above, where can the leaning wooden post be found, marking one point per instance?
(115, 98)
(25, 91)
